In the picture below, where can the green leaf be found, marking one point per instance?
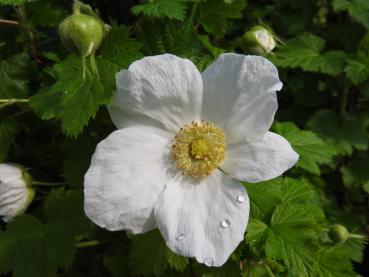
(312, 149)
(149, 255)
(332, 262)
(8, 129)
(357, 69)
(72, 99)
(356, 172)
(287, 232)
(14, 76)
(32, 249)
(173, 9)
(344, 135)
(214, 15)
(115, 259)
(357, 9)
(66, 208)
(305, 51)
(160, 37)
(119, 48)
(13, 2)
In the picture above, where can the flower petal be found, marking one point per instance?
(9, 173)
(260, 160)
(126, 176)
(203, 218)
(239, 95)
(162, 90)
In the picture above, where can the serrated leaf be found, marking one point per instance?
(311, 148)
(357, 9)
(345, 134)
(72, 99)
(287, 231)
(14, 76)
(66, 208)
(305, 52)
(32, 249)
(119, 48)
(215, 15)
(8, 129)
(173, 9)
(160, 37)
(332, 262)
(357, 69)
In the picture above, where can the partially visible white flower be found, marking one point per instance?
(16, 192)
(185, 139)
(259, 37)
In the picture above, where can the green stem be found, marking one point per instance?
(48, 184)
(357, 236)
(193, 12)
(13, 101)
(91, 243)
(269, 271)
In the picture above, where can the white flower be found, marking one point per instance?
(166, 168)
(15, 191)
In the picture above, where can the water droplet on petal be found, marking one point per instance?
(181, 237)
(225, 223)
(209, 261)
(241, 198)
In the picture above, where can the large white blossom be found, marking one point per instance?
(15, 191)
(185, 141)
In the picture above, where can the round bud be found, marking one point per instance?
(258, 40)
(81, 33)
(338, 233)
(16, 193)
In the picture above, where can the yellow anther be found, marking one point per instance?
(199, 148)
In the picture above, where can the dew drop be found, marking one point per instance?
(241, 198)
(181, 237)
(209, 261)
(225, 223)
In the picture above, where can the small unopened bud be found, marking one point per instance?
(16, 193)
(82, 33)
(338, 233)
(258, 40)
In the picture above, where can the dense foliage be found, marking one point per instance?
(51, 119)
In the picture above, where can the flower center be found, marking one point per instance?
(199, 148)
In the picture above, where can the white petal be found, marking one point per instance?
(9, 172)
(260, 160)
(127, 173)
(205, 219)
(240, 95)
(161, 90)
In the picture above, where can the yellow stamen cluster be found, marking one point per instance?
(199, 148)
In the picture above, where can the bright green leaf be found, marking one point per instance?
(311, 148)
(173, 9)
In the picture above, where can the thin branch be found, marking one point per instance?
(8, 21)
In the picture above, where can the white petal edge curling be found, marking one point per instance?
(260, 160)
(163, 91)
(240, 95)
(205, 218)
(127, 174)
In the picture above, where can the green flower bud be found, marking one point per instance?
(82, 34)
(258, 40)
(338, 233)
(16, 193)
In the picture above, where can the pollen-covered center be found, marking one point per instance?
(199, 148)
